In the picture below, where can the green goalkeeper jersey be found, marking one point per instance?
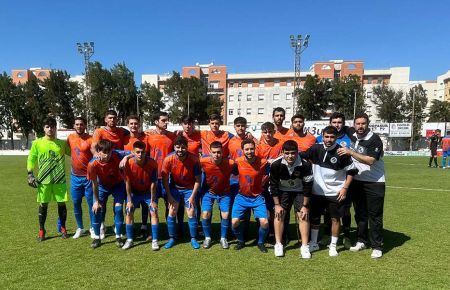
(50, 156)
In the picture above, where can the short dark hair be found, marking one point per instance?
(267, 126)
(80, 119)
(240, 120)
(180, 140)
(290, 145)
(438, 130)
(216, 144)
(215, 117)
(186, 119)
(50, 121)
(110, 112)
(133, 117)
(139, 145)
(330, 130)
(104, 146)
(159, 114)
(247, 141)
(297, 116)
(337, 115)
(362, 115)
(278, 109)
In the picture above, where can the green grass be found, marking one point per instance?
(416, 242)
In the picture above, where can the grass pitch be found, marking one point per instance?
(416, 247)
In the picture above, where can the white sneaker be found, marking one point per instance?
(304, 252)
(91, 230)
(102, 231)
(376, 254)
(332, 251)
(279, 250)
(358, 247)
(128, 244)
(155, 246)
(78, 233)
(313, 247)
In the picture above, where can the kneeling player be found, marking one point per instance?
(217, 172)
(140, 179)
(332, 177)
(291, 180)
(252, 172)
(183, 168)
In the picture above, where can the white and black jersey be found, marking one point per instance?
(370, 145)
(295, 178)
(330, 170)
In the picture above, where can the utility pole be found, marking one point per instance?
(87, 50)
(412, 121)
(299, 45)
(354, 106)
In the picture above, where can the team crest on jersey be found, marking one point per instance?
(343, 144)
(333, 160)
(360, 150)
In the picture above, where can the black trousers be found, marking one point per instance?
(368, 200)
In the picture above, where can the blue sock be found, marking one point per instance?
(171, 224)
(78, 212)
(96, 222)
(129, 229)
(262, 233)
(155, 229)
(224, 225)
(118, 219)
(192, 222)
(238, 233)
(206, 225)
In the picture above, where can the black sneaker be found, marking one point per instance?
(119, 242)
(262, 248)
(239, 246)
(64, 233)
(96, 243)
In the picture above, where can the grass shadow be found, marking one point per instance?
(393, 240)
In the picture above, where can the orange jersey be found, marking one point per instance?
(80, 152)
(129, 142)
(141, 177)
(304, 143)
(446, 143)
(251, 176)
(265, 151)
(116, 137)
(106, 173)
(182, 173)
(208, 137)
(234, 147)
(160, 146)
(217, 177)
(280, 135)
(194, 142)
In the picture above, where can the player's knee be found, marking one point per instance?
(264, 223)
(235, 222)
(225, 215)
(206, 215)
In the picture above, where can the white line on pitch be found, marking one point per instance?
(417, 188)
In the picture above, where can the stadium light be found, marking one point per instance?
(87, 50)
(299, 45)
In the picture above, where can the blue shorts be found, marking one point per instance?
(118, 192)
(242, 203)
(80, 186)
(160, 191)
(224, 202)
(142, 199)
(446, 154)
(178, 193)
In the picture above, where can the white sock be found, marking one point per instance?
(334, 240)
(314, 235)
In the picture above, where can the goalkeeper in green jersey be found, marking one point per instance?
(49, 153)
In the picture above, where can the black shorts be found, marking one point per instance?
(287, 198)
(321, 203)
(433, 151)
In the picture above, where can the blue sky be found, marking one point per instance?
(247, 36)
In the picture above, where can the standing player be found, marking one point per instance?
(445, 150)
(183, 169)
(433, 144)
(234, 145)
(253, 172)
(291, 180)
(337, 120)
(193, 136)
(216, 173)
(140, 181)
(332, 177)
(116, 135)
(278, 116)
(49, 153)
(80, 146)
(368, 187)
(215, 134)
(106, 179)
(298, 133)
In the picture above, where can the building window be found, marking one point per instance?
(215, 71)
(249, 111)
(260, 123)
(20, 75)
(42, 74)
(276, 97)
(288, 110)
(230, 98)
(288, 96)
(369, 80)
(239, 97)
(261, 97)
(240, 85)
(326, 67)
(250, 84)
(230, 112)
(260, 111)
(214, 85)
(239, 112)
(261, 83)
(249, 97)
(287, 122)
(230, 123)
(230, 85)
(192, 72)
(380, 80)
(289, 83)
(351, 66)
(276, 83)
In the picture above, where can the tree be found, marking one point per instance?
(417, 96)
(100, 86)
(7, 104)
(124, 92)
(23, 110)
(151, 101)
(313, 98)
(342, 97)
(439, 111)
(389, 103)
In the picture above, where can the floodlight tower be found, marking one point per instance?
(299, 45)
(87, 50)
